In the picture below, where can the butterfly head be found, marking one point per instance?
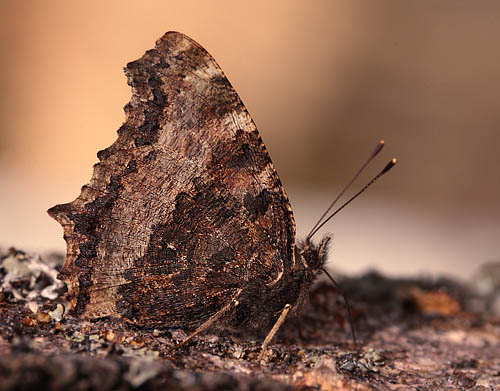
(312, 256)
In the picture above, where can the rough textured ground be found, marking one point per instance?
(412, 335)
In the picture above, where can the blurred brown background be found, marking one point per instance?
(323, 80)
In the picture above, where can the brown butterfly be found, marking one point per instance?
(185, 222)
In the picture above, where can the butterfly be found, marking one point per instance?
(185, 222)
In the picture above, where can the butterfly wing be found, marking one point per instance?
(184, 208)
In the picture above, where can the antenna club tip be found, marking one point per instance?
(389, 165)
(378, 148)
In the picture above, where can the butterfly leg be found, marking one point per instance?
(277, 325)
(214, 318)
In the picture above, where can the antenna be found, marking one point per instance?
(323, 219)
(375, 152)
(389, 165)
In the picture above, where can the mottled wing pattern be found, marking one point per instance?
(184, 208)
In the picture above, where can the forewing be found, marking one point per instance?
(184, 208)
